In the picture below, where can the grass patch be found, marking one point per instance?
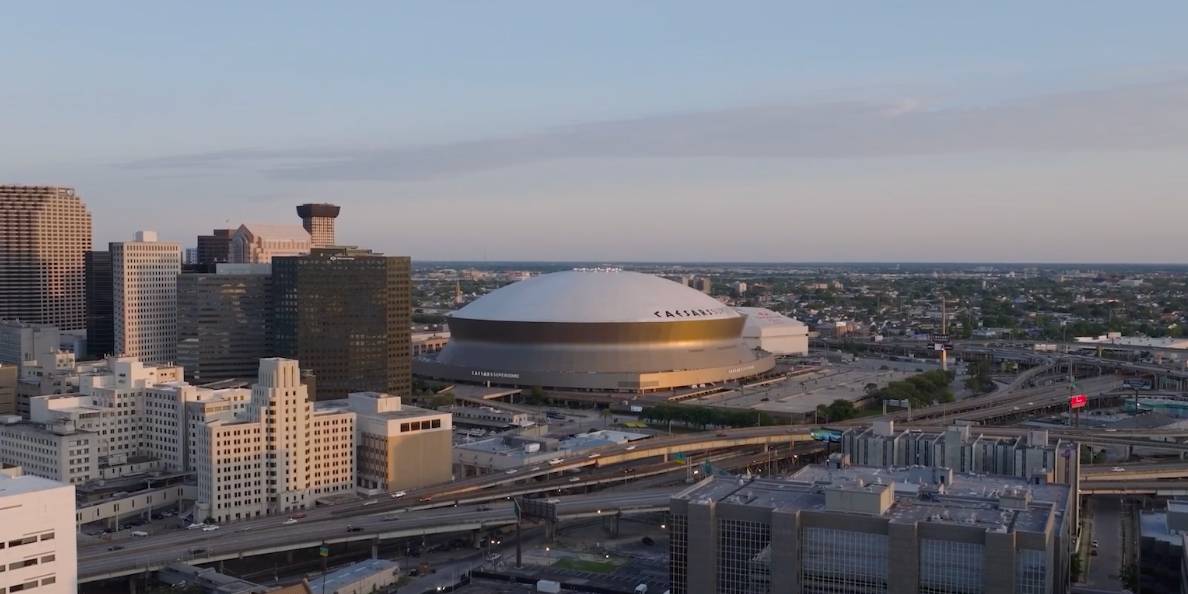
(575, 564)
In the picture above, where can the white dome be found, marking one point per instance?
(590, 296)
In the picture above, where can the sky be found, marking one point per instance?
(618, 131)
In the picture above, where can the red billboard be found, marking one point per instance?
(1077, 401)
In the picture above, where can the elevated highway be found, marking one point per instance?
(273, 535)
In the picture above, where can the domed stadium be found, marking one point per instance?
(598, 330)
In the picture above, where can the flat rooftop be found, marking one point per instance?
(971, 500)
(27, 483)
(351, 574)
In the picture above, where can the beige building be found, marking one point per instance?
(281, 455)
(8, 389)
(60, 452)
(37, 529)
(259, 244)
(399, 446)
(144, 297)
(45, 233)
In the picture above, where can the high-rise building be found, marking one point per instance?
(100, 317)
(259, 244)
(214, 248)
(144, 297)
(861, 529)
(223, 320)
(44, 233)
(23, 343)
(282, 455)
(318, 220)
(345, 313)
(37, 527)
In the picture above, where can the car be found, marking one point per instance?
(535, 468)
(425, 499)
(575, 479)
(1093, 553)
(630, 447)
(195, 526)
(1095, 543)
(115, 548)
(370, 502)
(399, 494)
(1111, 430)
(290, 521)
(647, 540)
(1117, 469)
(354, 529)
(594, 455)
(556, 461)
(197, 551)
(298, 515)
(210, 528)
(510, 471)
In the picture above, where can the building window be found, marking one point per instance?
(744, 557)
(678, 549)
(1031, 572)
(948, 567)
(843, 561)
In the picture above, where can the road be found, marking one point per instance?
(1107, 530)
(186, 545)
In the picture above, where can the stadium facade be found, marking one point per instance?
(596, 330)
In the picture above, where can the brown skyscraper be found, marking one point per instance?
(344, 313)
(45, 233)
(318, 219)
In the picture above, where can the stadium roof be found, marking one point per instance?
(596, 296)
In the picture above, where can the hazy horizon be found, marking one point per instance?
(618, 132)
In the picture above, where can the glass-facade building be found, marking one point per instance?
(864, 530)
(223, 322)
(345, 313)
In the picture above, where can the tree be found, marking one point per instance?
(979, 380)
(870, 389)
(823, 413)
(841, 409)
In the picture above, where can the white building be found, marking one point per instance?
(144, 297)
(60, 453)
(774, 332)
(281, 454)
(37, 530)
(259, 244)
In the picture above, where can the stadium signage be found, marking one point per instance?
(496, 374)
(1077, 401)
(689, 313)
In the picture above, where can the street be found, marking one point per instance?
(1104, 569)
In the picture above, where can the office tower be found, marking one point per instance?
(44, 232)
(318, 220)
(345, 314)
(259, 244)
(22, 343)
(8, 389)
(399, 446)
(222, 321)
(283, 454)
(100, 318)
(861, 529)
(144, 297)
(37, 527)
(214, 248)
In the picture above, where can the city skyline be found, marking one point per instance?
(672, 132)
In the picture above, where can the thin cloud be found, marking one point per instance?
(1138, 117)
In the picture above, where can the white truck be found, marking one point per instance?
(550, 586)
